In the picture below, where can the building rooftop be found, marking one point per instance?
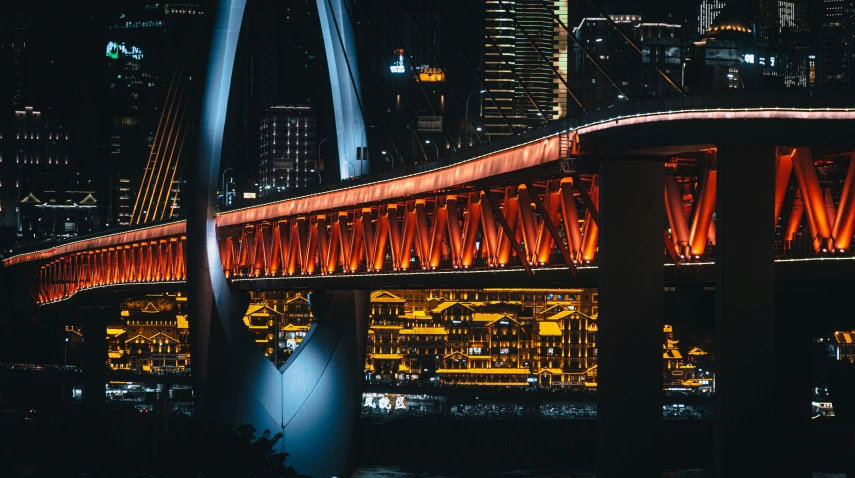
(845, 337)
(548, 328)
(493, 371)
(388, 356)
(424, 331)
(417, 315)
(386, 296)
(445, 305)
(487, 316)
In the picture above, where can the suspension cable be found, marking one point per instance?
(545, 60)
(633, 45)
(510, 68)
(585, 50)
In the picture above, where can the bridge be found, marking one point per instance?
(719, 190)
(510, 213)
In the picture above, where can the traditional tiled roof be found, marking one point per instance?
(548, 328)
(386, 296)
(493, 371)
(671, 354)
(553, 371)
(487, 316)
(445, 305)
(567, 313)
(424, 331)
(845, 337)
(295, 328)
(387, 356)
(297, 298)
(261, 310)
(697, 351)
(417, 315)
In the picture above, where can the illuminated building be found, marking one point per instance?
(288, 150)
(279, 322)
(16, 61)
(661, 45)
(263, 322)
(489, 337)
(726, 57)
(147, 44)
(566, 347)
(836, 44)
(384, 354)
(150, 338)
(40, 192)
(708, 11)
(514, 32)
(844, 346)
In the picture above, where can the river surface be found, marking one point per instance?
(447, 472)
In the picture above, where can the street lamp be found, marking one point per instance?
(224, 185)
(65, 359)
(319, 149)
(482, 130)
(466, 117)
(320, 179)
(351, 165)
(434, 147)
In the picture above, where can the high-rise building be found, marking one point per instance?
(522, 44)
(16, 58)
(288, 153)
(152, 53)
(727, 58)
(633, 75)
(795, 43)
(836, 55)
(708, 11)
(42, 193)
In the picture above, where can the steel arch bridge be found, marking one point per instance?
(611, 196)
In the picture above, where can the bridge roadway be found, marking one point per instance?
(716, 170)
(423, 226)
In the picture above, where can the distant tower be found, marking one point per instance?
(288, 149)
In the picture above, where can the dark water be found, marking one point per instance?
(406, 472)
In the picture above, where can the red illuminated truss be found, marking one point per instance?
(401, 227)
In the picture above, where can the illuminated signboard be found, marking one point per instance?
(249, 195)
(113, 50)
(398, 66)
(431, 75)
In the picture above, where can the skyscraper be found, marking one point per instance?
(708, 11)
(522, 44)
(836, 49)
(42, 193)
(16, 61)
(151, 54)
(288, 153)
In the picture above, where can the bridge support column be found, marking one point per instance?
(794, 357)
(629, 395)
(745, 311)
(313, 399)
(94, 360)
